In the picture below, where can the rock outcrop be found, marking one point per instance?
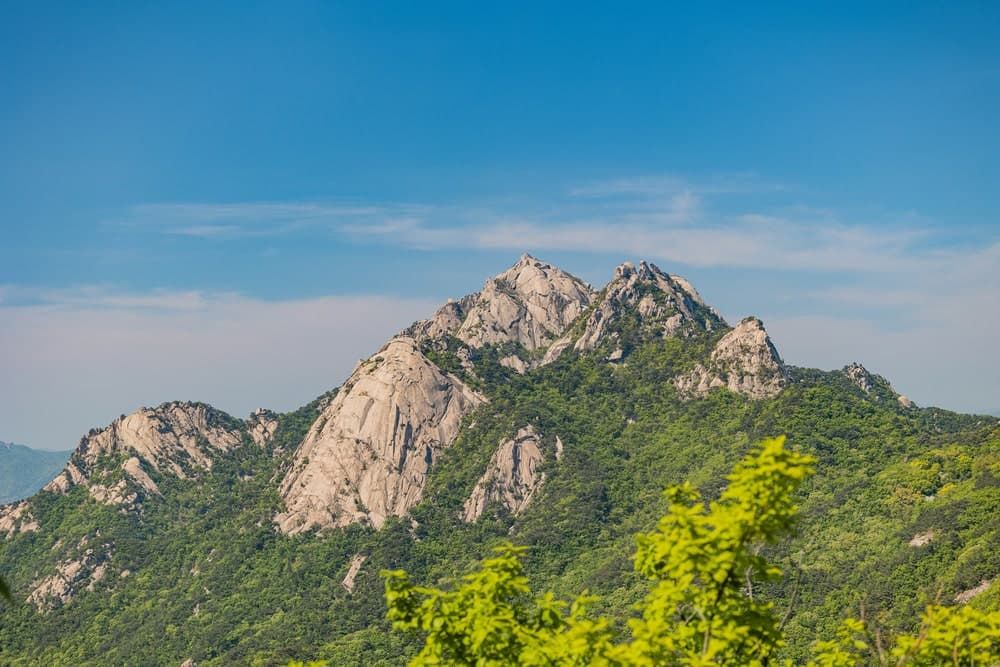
(860, 377)
(72, 575)
(352, 572)
(875, 387)
(367, 456)
(665, 305)
(178, 439)
(512, 477)
(529, 304)
(744, 361)
(17, 518)
(966, 595)
(261, 426)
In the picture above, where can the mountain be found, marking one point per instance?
(537, 410)
(23, 470)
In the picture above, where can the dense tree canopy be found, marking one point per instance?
(703, 561)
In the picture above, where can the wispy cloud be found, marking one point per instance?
(253, 219)
(104, 297)
(748, 241)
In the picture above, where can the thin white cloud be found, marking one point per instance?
(750, 241)
(101, 297)
(254, 219)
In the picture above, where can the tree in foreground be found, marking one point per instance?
(703, 560)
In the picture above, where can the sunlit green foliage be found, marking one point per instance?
(701, 610)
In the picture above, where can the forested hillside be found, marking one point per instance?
(153, 555)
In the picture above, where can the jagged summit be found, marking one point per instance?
(529, 304)
(664, 305)
(744, 360)
(874, 386)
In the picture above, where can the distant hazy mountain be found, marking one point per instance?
(23, 470)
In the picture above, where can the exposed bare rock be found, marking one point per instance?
(165, 437)
(559, 448)
(921, 539)
(352, 572)
(70, 577)
(511, 478)
(744, 361)
(515, 363)
(530, 304)
(967, 595)
(555, 350)
(860, 376)
(17, 518)
(261, 426)
(446, 321)
(118, 493)
(70, 476)
(133, 468)
(904, 401)
(666, 305)
(367, 455)
(174, 438)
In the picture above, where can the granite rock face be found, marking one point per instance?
(367, 456)
(179, 439)
(665, 305)
(261, 426)
(743, 361)
(512, 477)
(530, 304)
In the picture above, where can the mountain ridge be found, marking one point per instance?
(439, 443)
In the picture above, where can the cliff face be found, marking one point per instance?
(511, 478)
(744, 361)
(177, 439)
(368, 454)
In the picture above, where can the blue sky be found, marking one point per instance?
(234, 203)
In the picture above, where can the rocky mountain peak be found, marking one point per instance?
(664, 305)
(177, 438)
(744, 360)
(261, 425)
(876, 387)
(529, 304)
